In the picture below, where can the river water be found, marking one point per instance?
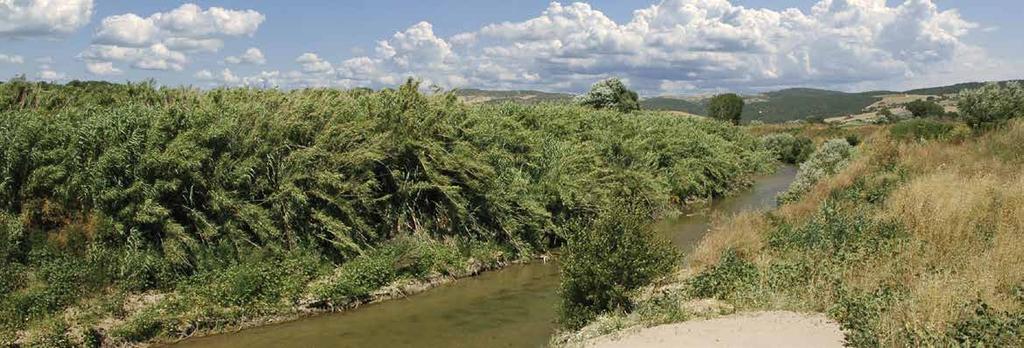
(512, 307)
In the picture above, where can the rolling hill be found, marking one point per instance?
(769, 107)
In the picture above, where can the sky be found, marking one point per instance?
(669, 47)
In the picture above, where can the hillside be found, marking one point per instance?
(803, 103)
(770, 107)
(480, 96)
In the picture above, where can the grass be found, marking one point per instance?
(914, 243)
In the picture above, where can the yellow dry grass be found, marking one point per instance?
(962, 206)
(741, 232)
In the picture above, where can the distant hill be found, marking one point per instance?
(951, 89)
(803, 103)
(770, 107)
(474, 96)
(674, 104)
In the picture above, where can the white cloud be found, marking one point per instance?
(12, 59)
(101, 68)
(48, 74)
(311, 63)
(252, 55)
(154, 57)
(204, 75)
(163, 40)
(43, 18)
(679, 45)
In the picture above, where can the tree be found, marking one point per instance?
(922, 108)
(610, 94)
(991, 105)
(726, 107)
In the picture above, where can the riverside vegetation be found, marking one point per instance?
(131, 213)
(911, 238)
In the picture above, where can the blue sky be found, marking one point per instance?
(668, 47)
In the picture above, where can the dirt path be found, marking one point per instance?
(758, 329)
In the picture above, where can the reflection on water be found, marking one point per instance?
(513, 307)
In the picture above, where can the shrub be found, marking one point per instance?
(788, 148)
(853, 139)
(725, 278)
(924, 108)
(726, 107)
(828, 160)
(918, 129)
(604, 262)
(992, 104)
(610, 94)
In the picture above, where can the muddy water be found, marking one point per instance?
(513, 307)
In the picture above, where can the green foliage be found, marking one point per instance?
(233, 200)
(828, 160)
(924, 108)
(985, 327)
(788, 148)
(610, 94)
(604, 262)
(991, 105)
(726, 107)
(725, 278)
(853, 139)
(922, 130)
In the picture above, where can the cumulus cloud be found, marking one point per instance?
(43, 18)
(11, 59)
(163, 40)
(677, 46)
(47, 73)
(101, 68)
(251, 56)
(312, 63)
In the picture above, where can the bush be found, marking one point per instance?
(725, 278)
(603, 263)
(853, 139)
(726, 107)
(788, 148)
(918, 129)
(610, 94)
(991, 105)
(924, 108)
(828, 160)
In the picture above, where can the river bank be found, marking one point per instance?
(515, 306)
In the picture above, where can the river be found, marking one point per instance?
(512, 307)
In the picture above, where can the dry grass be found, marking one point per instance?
(962, 207)
(741, 232)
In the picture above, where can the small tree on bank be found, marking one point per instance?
(924, 108)
(726, 107)
(610, 94)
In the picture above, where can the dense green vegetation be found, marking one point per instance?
(789, 148)
(173, 211)
(924, 108)
(826, 161)
(610, 94)
(607, 260)
(726, 107)
(991, 105)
